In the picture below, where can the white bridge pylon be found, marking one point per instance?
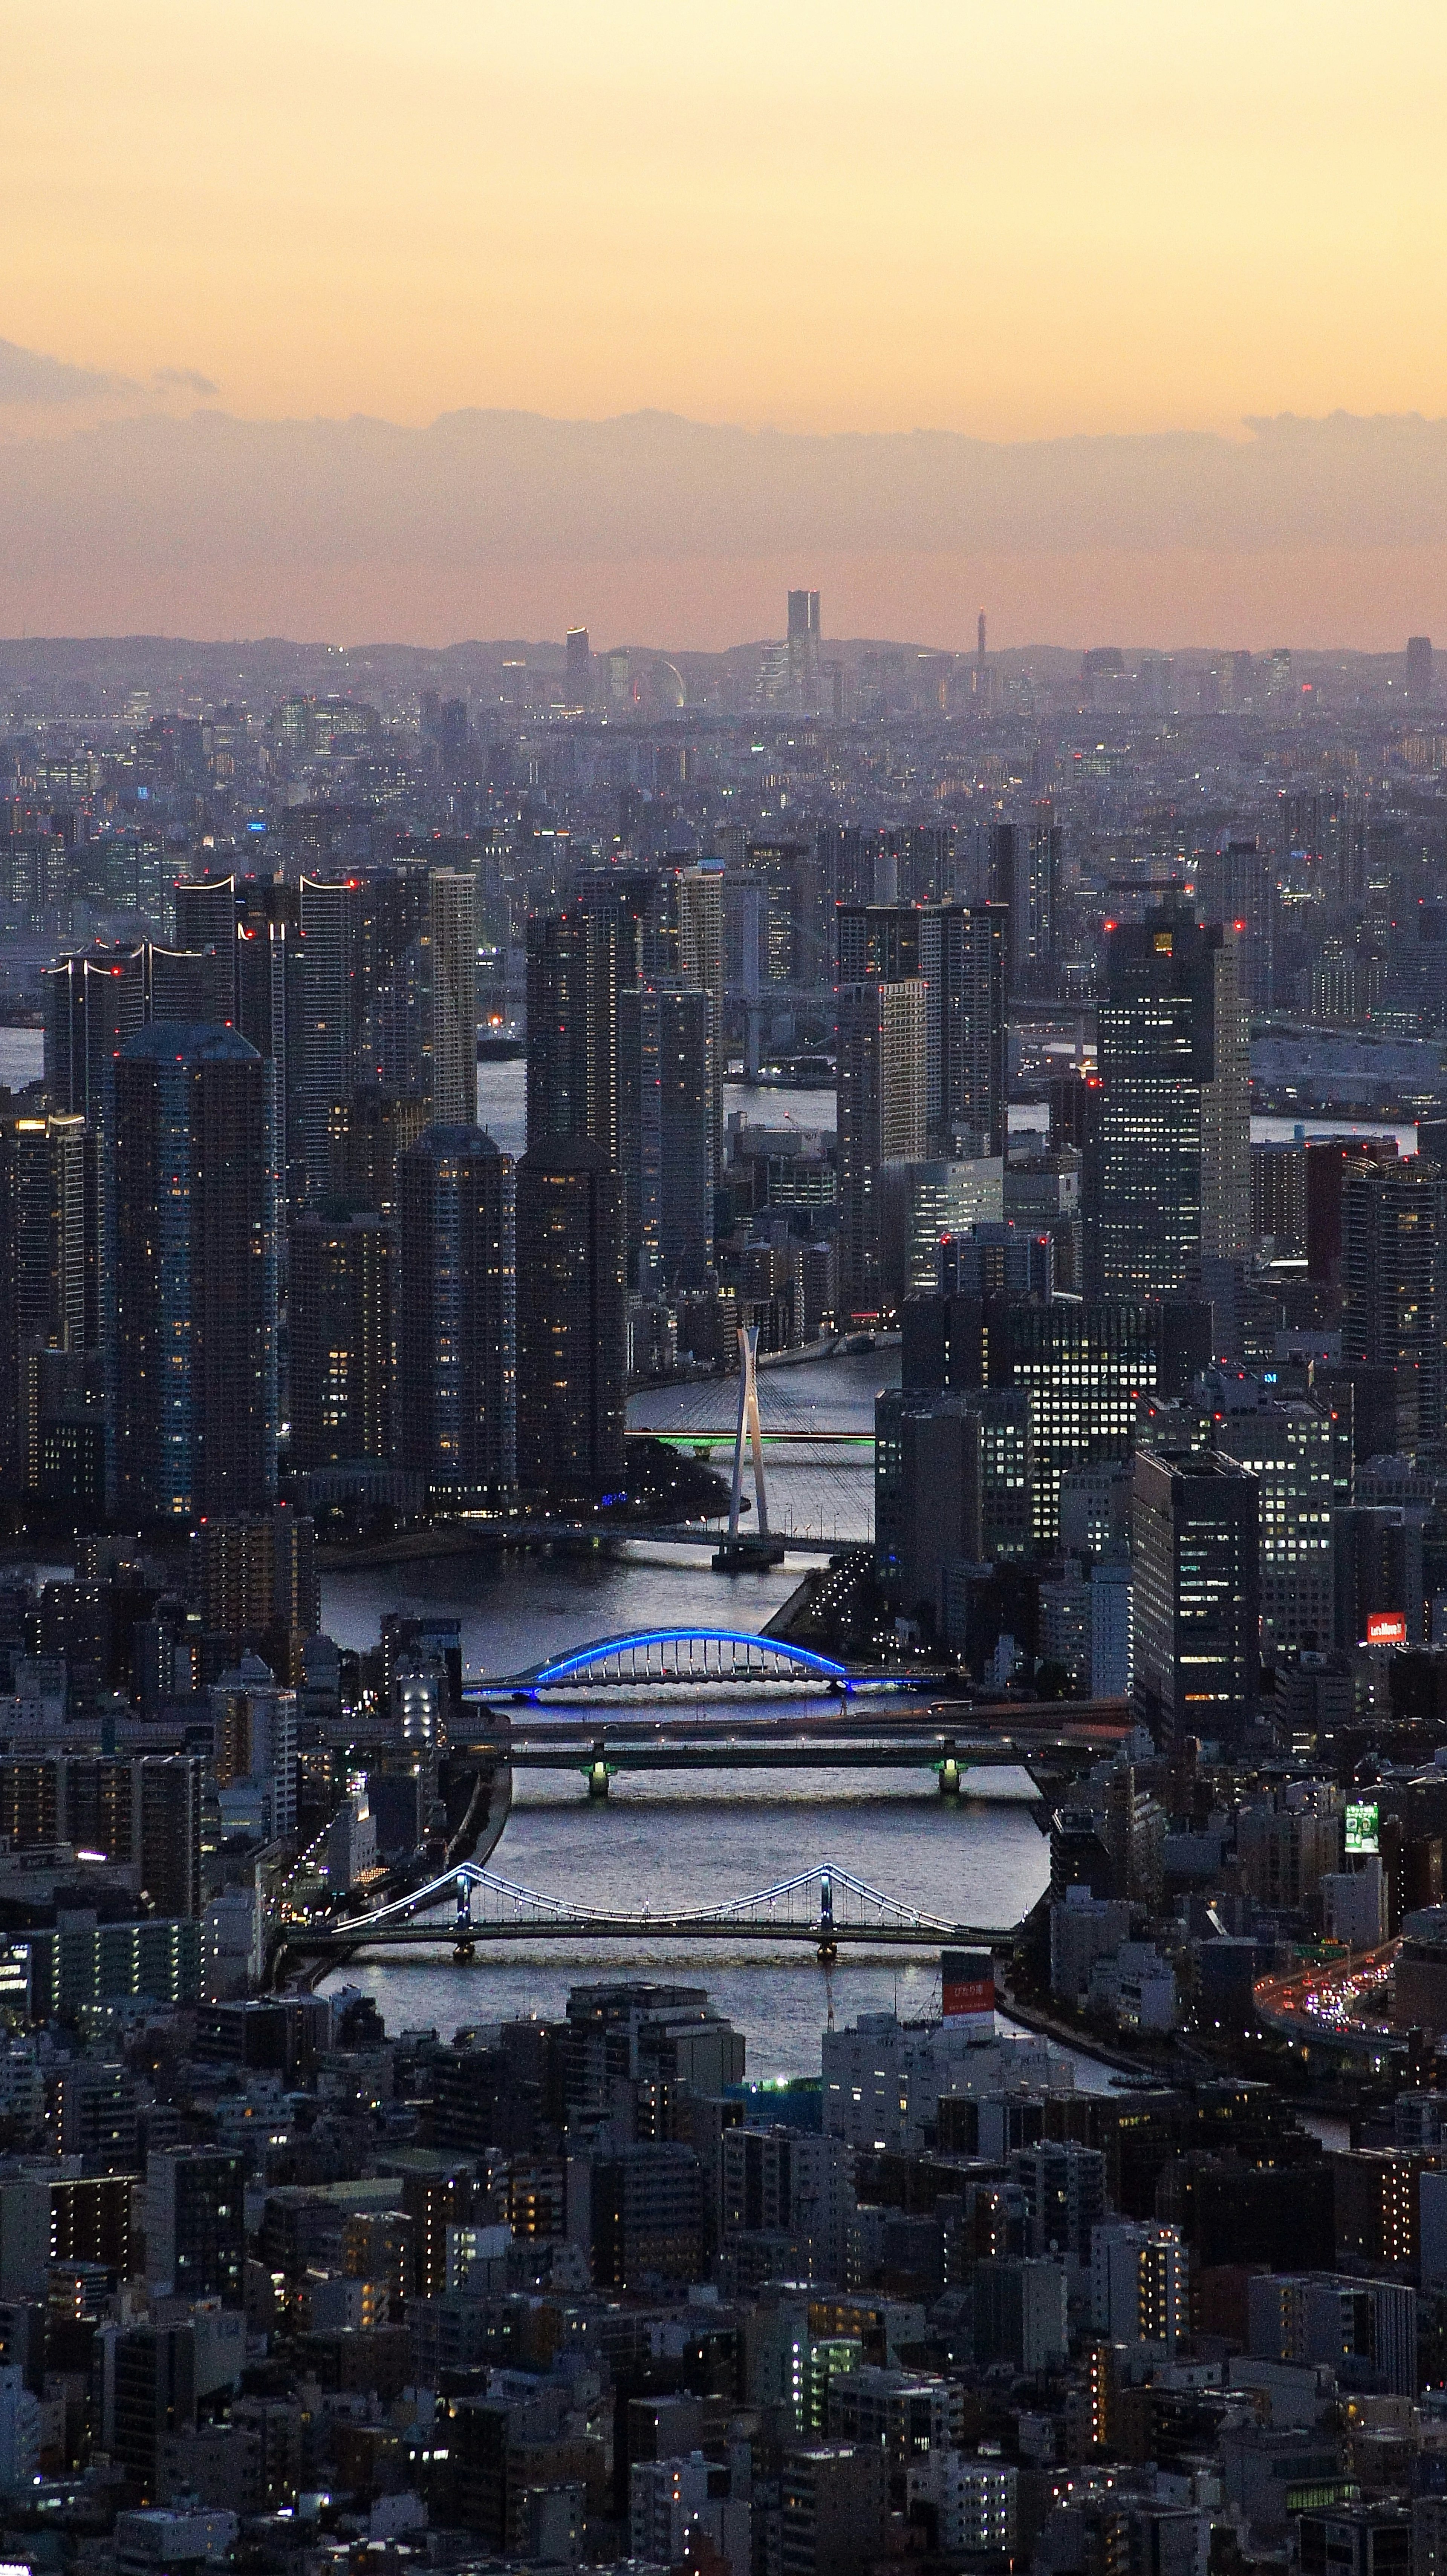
(823, 1898)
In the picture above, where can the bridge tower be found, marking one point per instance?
(745, 1550)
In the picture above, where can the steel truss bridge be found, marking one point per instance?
(686, 1658)
(826, 1907)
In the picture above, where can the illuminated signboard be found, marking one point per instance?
(1386, 1628)
(967, 1978)
(1362, 1821)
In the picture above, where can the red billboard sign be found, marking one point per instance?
(967, 1981)
(1386, 1628)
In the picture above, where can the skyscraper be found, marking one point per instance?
(804, 639)
(1038, 926)
(453, 1033)
(1394, 1272)
(331, 987)
(1419, 668)
(973, 956)
(897, 943)
(91, 1005)
(49, 1271)
(579, 668)
(456, 1329)
(1238, 885)
(366, 1133)
(1168, 1171)
(190, 1281)
(700, 900)
(339, 1309)
(958, 953)
(1195, 1549)
(881, 1043)
(94, 1001)
(665, 1131)
(571, 1320)
(578, 961)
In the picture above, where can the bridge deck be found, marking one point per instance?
(611, 1927)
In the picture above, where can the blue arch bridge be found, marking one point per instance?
(469, 1908)
(683, 1658)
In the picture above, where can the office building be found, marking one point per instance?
(456, 1315)
(1085, 1368)
(1237, 887)
(578, 663)
(191, 1277)
(1288, 1449)
(1394, 1275)
(570, 1321)
(453, 1051)
(881, 1086)
(952, 1484)
(1195, 1555)
(1168, 1162)
(340, 1320)
(1419, 668)
(925, 1208)
(665, 1130)
(196, 2224)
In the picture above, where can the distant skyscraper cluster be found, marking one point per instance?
(1036, 926)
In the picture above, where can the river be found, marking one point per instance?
(674, 1840)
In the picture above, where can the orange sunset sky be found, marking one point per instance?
(1013, 220)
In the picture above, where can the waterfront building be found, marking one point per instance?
(453, 997)
(190, 1285)
(570, 1321)
(665, 1130)
(881, 1083)
(340, 1338)
(456, 1315)
(1196, 1595)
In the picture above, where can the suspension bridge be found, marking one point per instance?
(471, 1908)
